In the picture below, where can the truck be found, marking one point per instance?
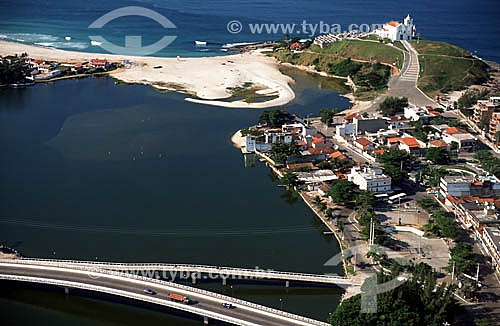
(179, 298)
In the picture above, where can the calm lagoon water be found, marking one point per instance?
(94, 170)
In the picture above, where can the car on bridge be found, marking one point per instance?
(149, 291)
(227, 305)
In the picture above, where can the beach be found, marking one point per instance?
(207, 79)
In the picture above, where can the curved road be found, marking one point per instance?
(245, 313)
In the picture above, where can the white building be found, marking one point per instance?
(371, 179)
(397, 31)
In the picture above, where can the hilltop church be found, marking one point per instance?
(396, 31)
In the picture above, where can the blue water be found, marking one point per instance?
(472, 25)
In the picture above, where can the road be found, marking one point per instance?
(247, 314)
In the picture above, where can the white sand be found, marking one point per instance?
(207, 78)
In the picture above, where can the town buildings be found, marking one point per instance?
(371, 179)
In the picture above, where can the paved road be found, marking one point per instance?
(405, 84)
(129, 285)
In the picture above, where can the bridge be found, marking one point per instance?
(195, 271)
(205, 303)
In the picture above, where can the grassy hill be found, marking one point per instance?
(364, 50)
(445, 68)
(359, 59)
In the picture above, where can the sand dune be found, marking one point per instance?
(206, 78)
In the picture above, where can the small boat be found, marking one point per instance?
(68, 38)
(200, 42)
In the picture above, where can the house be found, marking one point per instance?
(318, 141)
(407, 144)
(415, 113)
(495, 126)
(396, 31)
(295, 46)
(460, 137)
(296, 166)
(337, 156)
(319, 153)
(99, 63)
(371, 179)
(364, 144)
(350, 117)
(437, 143)
(362, 126)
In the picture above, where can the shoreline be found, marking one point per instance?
(208, 78)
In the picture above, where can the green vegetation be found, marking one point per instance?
(421, 131)
(327, 115)
(418, 301)
(443, 226)
(488, 162)
(337, 165)
(463, 258)
(446, 68)
(469, 98)
(366, 51)
(396, 163)
(393, 105)
(431, 175)
(439, 48)
(281, 152)
(438, 155)
(248, 93)
(343, 191)
(289, 179)
(274, 118)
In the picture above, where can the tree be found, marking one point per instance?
(327, 115)
(289, 179)
(497, 136)
(274, 118)
(393, 105)
(343, 191)
(418, 301)
(438, 155)
(463, 257)
(396, 164)
(281, 152)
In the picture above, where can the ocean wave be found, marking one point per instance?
(31, 37)
(232, 45)
(95, 43)
(64, 45)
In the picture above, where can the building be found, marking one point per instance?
(407, 144)
(437, 143)
(462, 139)
(490, 240)
(495, 126)
(456, 186)
(371, 179)
(416, 113)
(364, 144)
(483, 109)
(99, 63)
(396, 31)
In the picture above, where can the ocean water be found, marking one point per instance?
(472, 25)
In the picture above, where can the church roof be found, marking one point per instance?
(393, 23)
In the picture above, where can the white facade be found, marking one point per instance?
(396, 31)
(371, 179)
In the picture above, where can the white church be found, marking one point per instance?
(397, 31)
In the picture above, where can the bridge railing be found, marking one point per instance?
(190, 267)
(185, 288)
(131, 295)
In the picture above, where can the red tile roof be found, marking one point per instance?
(321, 150)
(379, 151)
(317, 140)
(410, 141)
(302, 143)
(393, 24)
(363, 141)
(454, 130)
(338, 155)
(438, 143)
(351, 116)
